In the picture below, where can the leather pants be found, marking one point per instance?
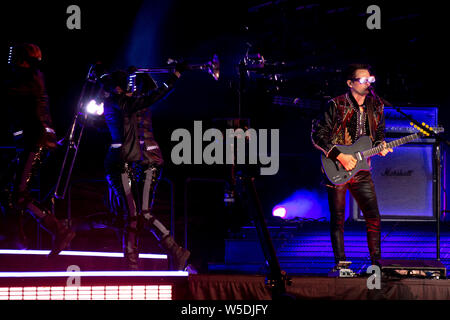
(29, 165)
(134, 187)
(362, 189)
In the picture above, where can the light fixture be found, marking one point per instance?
(93, 107)
(279, 212)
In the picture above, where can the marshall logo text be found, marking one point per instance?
(389, 172)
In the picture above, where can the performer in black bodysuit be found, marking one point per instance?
(134, 161)
(31, 123)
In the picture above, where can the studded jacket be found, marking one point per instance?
(339, 124)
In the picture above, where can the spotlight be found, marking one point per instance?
(95, 108)
(279, 212)
(303, 204)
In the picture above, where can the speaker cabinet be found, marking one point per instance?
(404, 184)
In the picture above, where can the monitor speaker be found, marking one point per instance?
(433, 269)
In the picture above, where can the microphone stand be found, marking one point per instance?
(438, 139)
(73, 139)
(277, 279)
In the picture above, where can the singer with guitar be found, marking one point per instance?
(349, 117)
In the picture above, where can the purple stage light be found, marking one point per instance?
(279, 212)
(303, 204)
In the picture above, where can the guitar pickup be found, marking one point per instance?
(358, 156)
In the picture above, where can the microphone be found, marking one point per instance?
(384, 101)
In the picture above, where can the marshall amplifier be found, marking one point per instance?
(404, 184)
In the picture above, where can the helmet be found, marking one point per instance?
(27, 52)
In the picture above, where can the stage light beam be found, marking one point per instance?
(303, 204)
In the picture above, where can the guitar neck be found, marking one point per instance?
(392, 144)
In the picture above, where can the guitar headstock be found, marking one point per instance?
(425, 130)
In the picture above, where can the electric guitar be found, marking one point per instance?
(361, 150)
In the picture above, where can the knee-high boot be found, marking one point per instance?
(130, 235)
(178, 255)
(130, 248)
(62, 235)
(23, 201)
(374, 239)
(337, 236)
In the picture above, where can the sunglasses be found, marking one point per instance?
(363, 80)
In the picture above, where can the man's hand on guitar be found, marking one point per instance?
(385, 150)
(347, 160)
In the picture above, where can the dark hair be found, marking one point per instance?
(351, 69)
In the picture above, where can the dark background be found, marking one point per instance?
(314, 40)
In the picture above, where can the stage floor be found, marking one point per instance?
(305, 248)
(154, 285)
(238, 273)
(29, 274)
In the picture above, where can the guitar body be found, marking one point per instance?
(361, 151)
(334, 170)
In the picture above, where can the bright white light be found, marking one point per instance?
(279, 212)
(94, 108)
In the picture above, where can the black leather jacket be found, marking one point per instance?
(130, 125)
(28, 107)
(338, 125)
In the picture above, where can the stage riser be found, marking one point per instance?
(309, 251)
(240, 287)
